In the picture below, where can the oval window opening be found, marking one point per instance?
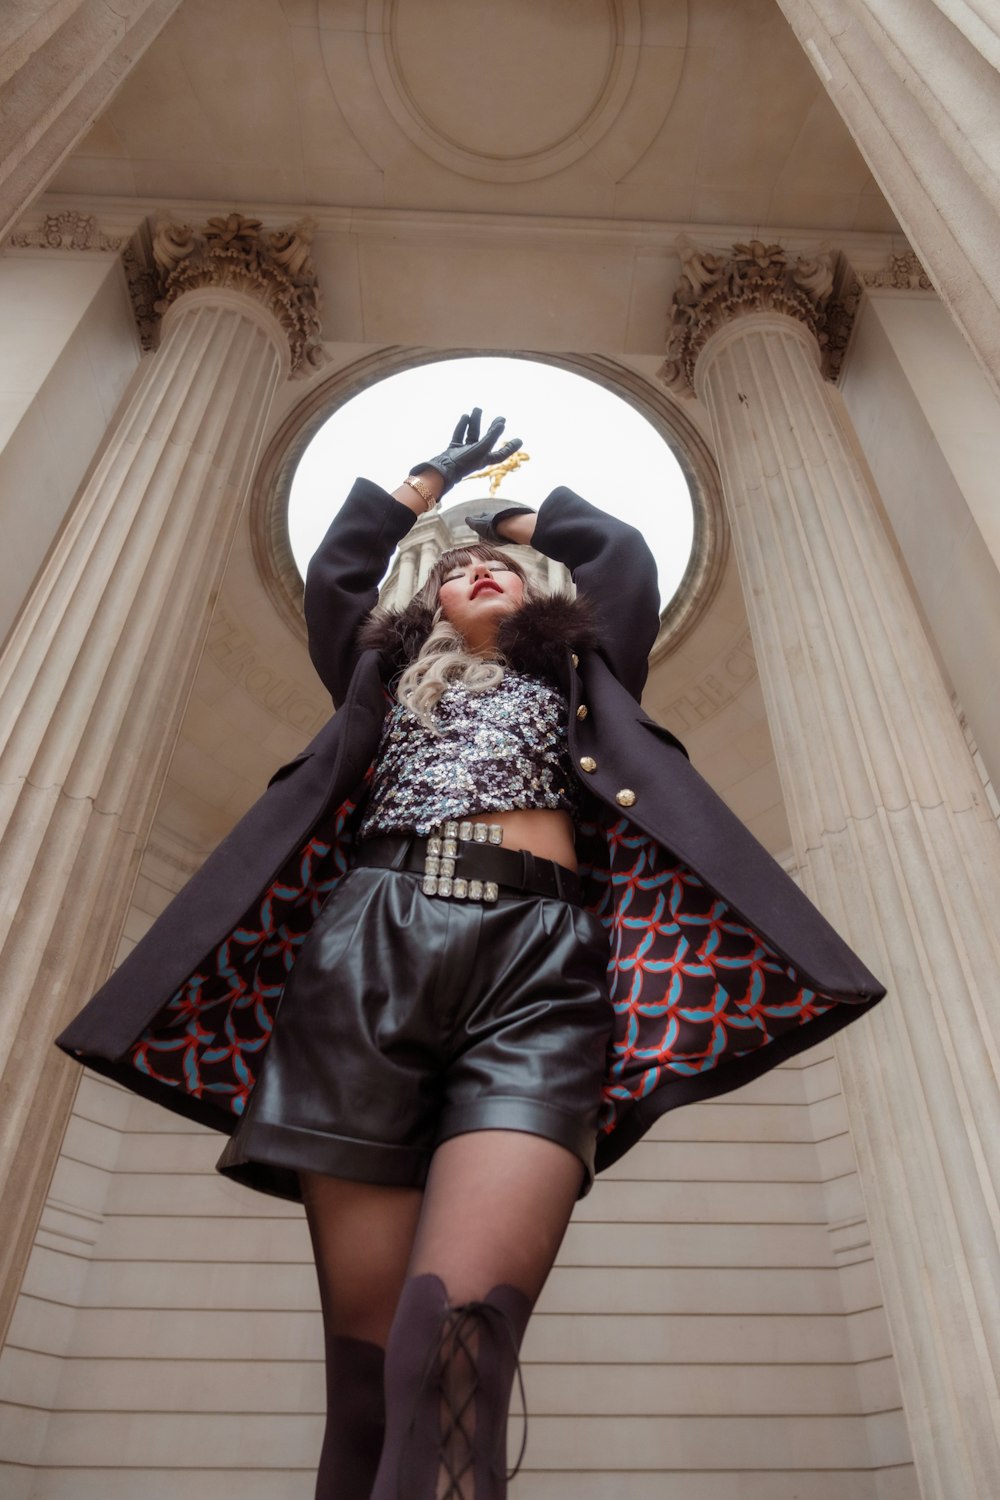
(575, 431)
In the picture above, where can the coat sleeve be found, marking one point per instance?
(612, 565)
(343, 577)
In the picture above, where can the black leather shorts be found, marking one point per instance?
(410, 1018)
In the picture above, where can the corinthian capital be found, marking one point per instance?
(238, 254)
(715, 287)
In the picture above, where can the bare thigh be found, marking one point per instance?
(362, 1236)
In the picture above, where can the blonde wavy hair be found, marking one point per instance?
(443, 660)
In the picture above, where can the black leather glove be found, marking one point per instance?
(484, 523)
(467, 451)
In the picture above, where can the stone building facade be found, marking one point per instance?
(770, 225)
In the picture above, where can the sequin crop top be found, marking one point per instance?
(498, 750)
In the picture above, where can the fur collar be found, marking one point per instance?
(533, 640)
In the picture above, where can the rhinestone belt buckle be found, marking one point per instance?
(439, 878)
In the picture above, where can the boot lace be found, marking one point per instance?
(458, 1336)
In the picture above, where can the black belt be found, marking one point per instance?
(469, 869)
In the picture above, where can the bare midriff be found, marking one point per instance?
(549, 834)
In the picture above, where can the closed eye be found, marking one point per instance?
(460, 572)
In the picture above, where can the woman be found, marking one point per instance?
(448, 1064)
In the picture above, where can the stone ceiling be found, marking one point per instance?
(689, 111)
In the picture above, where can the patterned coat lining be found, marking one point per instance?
(693, 986)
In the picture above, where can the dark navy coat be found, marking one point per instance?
(719, 966)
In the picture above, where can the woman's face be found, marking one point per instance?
(474, 598)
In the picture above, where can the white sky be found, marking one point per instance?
(576, 432)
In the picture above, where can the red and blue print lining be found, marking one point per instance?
(692, 984)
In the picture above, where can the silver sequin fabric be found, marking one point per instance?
(496, 751)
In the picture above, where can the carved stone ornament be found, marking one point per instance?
(754, 277)
(902, 273)
(237, 253)
(66, 231)
(144, 285)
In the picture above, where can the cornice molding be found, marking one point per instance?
(122, 216)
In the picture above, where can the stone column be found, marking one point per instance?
(97, 670)
(418, 551)
(917, 84)
(890, 828)
(60, 63)
(406, 577)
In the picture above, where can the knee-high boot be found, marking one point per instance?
(355, 1419)
(449, 1371)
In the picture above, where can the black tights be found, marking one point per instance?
(485, 1231)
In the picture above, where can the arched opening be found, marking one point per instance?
(575, 432)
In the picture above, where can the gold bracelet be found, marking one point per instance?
(417, 484)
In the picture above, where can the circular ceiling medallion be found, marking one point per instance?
(547, 81)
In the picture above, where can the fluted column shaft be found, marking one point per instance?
(890, 826)
(93, 684)
(60, 64)
(917, 82)
(406, 582)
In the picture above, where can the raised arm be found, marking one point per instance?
(344, 574)
(611, 564)
(345, 571)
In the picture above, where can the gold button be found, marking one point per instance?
(625, 798)
(582, 711)
(574, 658)
(587, 763)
